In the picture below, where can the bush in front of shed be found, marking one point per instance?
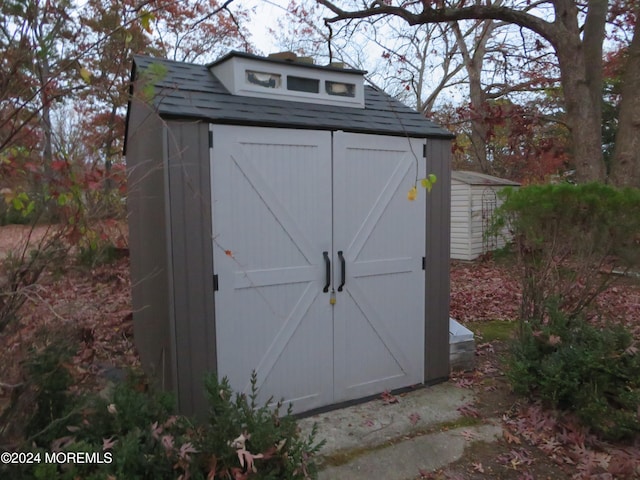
(572, 365)
(132, 433)
(250, 441)
(569, 242)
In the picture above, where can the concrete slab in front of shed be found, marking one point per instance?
(353, 431)
(406, 460)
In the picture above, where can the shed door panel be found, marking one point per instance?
(280, 199)
(379, 315)
(272, 223)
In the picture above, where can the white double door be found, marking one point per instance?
(299, 216)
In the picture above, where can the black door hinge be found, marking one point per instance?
(210, 139)
(424, 263)
(215, 283)
(424, 150)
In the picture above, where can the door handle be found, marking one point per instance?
(327, 271)
(343, 275)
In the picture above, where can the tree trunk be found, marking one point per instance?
(473, 62)
(108, 150)
(584, 125)
(45, 116)
(478, 121)
(625, 165)
(582, 87)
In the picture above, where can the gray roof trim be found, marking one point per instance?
(475, 178)
(235, 53)
(191, 91)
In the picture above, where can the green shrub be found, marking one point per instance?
(565, 236)
(19, 208)
(239, 427)
(572, 365)
(94, 254)
(142, 436)
(99, 243)
(134, 432)
(131, 432)
(48, 374)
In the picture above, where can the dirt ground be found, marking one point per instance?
(93, 306)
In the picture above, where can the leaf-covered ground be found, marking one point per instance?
(94, 306)
(490, 290)
(537, 443)
(484, 291)
(86, 307)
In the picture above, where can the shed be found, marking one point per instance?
(270, 232)
(474, 197)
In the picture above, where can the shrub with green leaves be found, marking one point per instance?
(41, 406)
(567, 237)
(246, 438)
(93, 250)
(17, 209)
(144, 440)
(54, 406)
(572, 365)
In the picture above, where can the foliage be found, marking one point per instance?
(51, 378)
(568, 238)
(99, 243)
(265, 442)
(17, 209)
(22, 269)
(133, 433)
(72, 198)
(426, 183)
(42, 406)
(573, 365)
(67, 86)
(518, 142)
(578, 34)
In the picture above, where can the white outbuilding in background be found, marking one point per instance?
(474, 198)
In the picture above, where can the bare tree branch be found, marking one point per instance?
(552, 31)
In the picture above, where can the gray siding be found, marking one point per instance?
(192, 261)
(149, 244)
(437, 262)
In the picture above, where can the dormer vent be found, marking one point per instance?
(340, 88)
(302, 84)
(263, 79)
(287, 77)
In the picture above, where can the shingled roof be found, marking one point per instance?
(191, 91)
(475, 178)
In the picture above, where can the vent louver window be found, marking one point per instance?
(278, 78)
(302, 84)
(263, 79)
(340, 89)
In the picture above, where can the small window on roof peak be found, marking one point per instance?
(263, 79)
